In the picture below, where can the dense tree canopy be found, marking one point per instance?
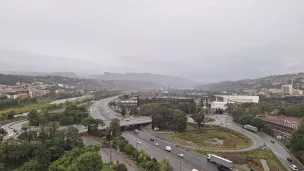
(165, 117)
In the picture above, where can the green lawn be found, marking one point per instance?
(24, 109)
(107, 168)
(207, 135)
(251, 158)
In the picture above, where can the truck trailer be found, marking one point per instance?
(251, 128)
(222, 162)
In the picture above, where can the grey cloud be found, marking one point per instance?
(204, 40)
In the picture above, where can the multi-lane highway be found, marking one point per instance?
(101, 110)
(192, 160)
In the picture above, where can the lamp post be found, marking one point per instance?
(110, 151)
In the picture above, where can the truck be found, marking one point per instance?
(251, 128)
(222, 162)
(168, 148)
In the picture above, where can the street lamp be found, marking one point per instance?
(110, 151)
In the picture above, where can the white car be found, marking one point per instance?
(138, 142)
(293, 167)
(181, 155)
(127, 120)
(156, 144)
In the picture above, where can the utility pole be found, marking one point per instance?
(180, 166)
(110, 151)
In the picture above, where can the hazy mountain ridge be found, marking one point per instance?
(167, 81)
(272, 81)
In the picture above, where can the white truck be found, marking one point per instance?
(220, 161)
(168, 148)
(251, 128)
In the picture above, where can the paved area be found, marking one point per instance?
(106, 153)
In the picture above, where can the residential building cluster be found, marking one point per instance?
(30, 90)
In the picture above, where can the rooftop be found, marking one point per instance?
(291, 122)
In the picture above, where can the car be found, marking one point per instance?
(181, 155)
(138, 142)
(293, 167)
(151, 139)
(156, 144)
(272, 141)
(127, 120)
(15, 130)
(289, 159)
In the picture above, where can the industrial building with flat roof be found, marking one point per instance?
(221, 101)
(169, 100)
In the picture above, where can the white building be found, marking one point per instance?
(221, 101)
(287, 89)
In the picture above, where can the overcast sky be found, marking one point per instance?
(203, 40)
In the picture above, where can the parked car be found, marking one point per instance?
(272, 141)
(151, 139)
(138, 142)
(156, 144)
(289, 159)
(15, 130)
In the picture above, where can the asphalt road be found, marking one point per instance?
(159, 153)
(259, 139)
(101, 110)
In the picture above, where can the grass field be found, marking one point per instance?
(251, 158)
(24, 109)
(106, 167)
(208, 136)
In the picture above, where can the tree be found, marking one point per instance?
(123, 111)
(179, 121)
(67, 159)
(73, 138)
(128, 149)
(165, 165)
(30, 166)
(152, 165)
(33, 118)
(115, 127)
(92, 124)
(87, 161)
(121, 167)
(11, 114)
(53, 126)
(258, 122)
(199, 118)
(66, 120)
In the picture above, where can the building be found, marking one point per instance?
(275, 91)
(128, 103)
(169, 100)
(282, 125)
(221, 101)
(297, 92)
(59, 91)
(287, 89)
(236, 99)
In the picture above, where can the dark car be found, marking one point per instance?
(15, 130)
(151, 139)
(272, 141)
(223, 168)
(289, 159)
